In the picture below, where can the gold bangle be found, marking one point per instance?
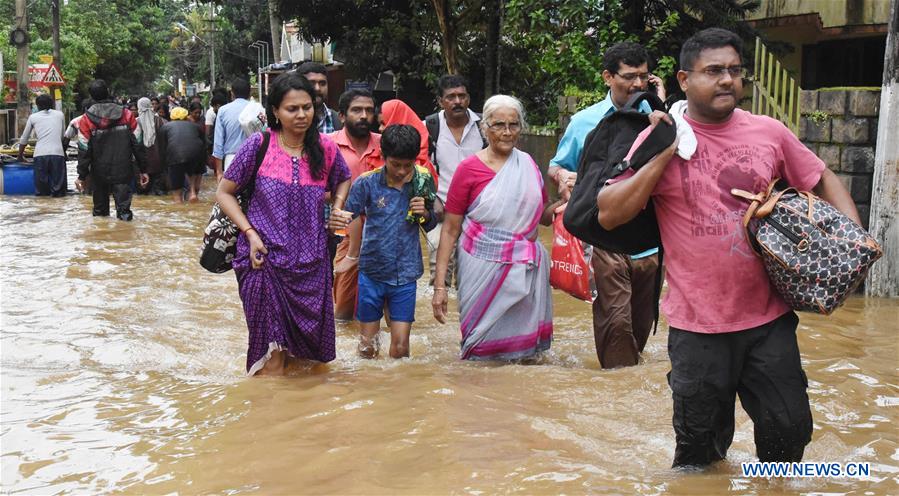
(439, 289)
(251, 228)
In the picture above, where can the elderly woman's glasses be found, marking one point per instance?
(512, 127)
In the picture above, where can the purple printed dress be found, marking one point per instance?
(287, 302)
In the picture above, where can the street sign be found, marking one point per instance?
(358, 85)
(53, 77)
(45, 59)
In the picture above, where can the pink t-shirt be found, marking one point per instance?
(471, 177)
(716, 283)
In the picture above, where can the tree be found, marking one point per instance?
(372, 36)
(239, 24)
(121, 41)
(566, 38)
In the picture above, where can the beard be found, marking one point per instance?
(359, 129)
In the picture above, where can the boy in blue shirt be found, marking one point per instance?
(397, 199)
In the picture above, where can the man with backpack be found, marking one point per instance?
(624, 308)
(730, 333)
(453, 136)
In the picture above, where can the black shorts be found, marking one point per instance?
(176, 175)
(198, 169)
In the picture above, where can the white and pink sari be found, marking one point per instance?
(504, 297)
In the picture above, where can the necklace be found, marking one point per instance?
(285, 144)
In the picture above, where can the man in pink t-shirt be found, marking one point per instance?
(730, 332)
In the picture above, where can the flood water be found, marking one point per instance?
(123, 371)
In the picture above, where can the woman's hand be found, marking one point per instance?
(257, 249)
(438, 303)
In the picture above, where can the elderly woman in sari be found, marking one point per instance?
(495, 202)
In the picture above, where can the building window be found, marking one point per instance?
(848, 62)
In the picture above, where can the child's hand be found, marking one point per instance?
(339, 219)
(417, 206)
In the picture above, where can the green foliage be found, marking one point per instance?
(819, 117)
(373, 36)
(239, 23)
(585, 98)
(123, 41)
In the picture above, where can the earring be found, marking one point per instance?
(276, 120)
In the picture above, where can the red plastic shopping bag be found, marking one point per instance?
(570, 270)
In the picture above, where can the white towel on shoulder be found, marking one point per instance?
(686, 147)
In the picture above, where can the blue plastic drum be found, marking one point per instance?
(17, 179)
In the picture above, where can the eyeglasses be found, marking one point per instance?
(718, 71)
(633, 76)
(512, 127)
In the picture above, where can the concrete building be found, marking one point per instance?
(834, 42)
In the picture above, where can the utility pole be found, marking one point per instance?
(23, 105)
(883, 279)
(211, 32)
(54, 12)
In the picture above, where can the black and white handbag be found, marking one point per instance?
(220, 236)
(814, 255)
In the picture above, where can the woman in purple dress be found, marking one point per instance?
(282, 268)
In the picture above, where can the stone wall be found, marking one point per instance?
(840, 126)
(542, 147)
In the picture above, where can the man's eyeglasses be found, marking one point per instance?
(718, 71)
(633, 76)
(512, 127)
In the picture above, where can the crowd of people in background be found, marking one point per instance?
(339, 201)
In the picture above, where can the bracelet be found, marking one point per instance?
(251, 228)
(352, 258)
(439, 289)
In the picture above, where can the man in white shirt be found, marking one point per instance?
(49, 157)
(454, 135)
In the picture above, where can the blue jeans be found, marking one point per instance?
(50, 175)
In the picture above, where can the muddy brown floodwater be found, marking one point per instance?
(123, 371)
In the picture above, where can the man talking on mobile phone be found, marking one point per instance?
(623, 311)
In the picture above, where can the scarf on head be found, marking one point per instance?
(146, 120)
(397, 112)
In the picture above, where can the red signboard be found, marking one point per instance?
(40, 76)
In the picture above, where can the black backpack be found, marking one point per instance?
(432, 123)
(602, 159)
